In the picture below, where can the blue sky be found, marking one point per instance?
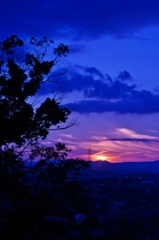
(113, 78)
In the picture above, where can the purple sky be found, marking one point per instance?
(113, 77)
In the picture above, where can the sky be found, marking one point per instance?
(112, 83)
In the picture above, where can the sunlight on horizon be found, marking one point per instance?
(101, 157)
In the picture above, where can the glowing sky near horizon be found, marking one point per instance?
(113, 77)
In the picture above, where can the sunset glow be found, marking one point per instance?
(101, 157)
(110, 80)
(113, 145)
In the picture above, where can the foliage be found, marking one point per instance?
(21, 75)
(31, 194)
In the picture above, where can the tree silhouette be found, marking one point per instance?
(36, 202)
(22, 73)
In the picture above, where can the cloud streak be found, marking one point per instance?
(132, 140)
(131, 134)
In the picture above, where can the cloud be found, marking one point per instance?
(132, 140)
(76, 48)
(78, 78)
(132, 134)
(101, 93)
(99, 153)
(92, 82)
(78, 19)
(124, 75)
(128, 135)
(106, 90)
(125, 106)
(91, 70)
(124, 135)
(67, 135)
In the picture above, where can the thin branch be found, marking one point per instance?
(74, 122)
(55, 75)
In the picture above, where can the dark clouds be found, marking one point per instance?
(102, 93)
(92, 83)
(76, 48)
(124, 75)
(133, 140)
(130, 139)
(136, 106)
(77, 19)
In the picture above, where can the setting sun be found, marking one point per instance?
(101, 157)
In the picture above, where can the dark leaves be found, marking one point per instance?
(61, 50)
(20, 78)
(9, 45)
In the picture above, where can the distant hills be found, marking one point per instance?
(100, 165)
(126, 166)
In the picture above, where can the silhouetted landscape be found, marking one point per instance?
(100, 103)
(126, 200)
(152, 166)
(104, 201)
